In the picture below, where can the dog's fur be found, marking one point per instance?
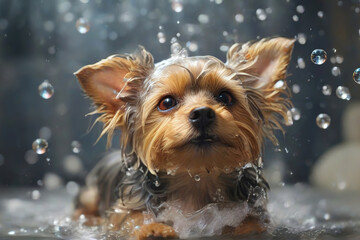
(160, 161)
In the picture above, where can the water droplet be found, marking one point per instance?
(52, 181)
(295, 113)
(31, 157)
(320, 14)
(296, 88)
(301, 38)
(323, 120)
(177, 5)
(72, 188)
(175, 48)
(261, 14)
(72, 164)
(339, 59)
(11, 233)
(335, 71)
(35, 195)
(279, 84)
(239, 18)
(295, 18)
(326, 90)
(343, 93)
(203, 18)
(82, 25)
(192, 46)
(318, 56)
(40, 145)
(300, 9)
(301, 63)
(46, 90)
(76, 146)
(197, 178)
(356, 75)
(157, 183)
(326, 216)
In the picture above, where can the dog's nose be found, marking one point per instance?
(202, 117)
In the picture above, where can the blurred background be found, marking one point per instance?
(49, 40)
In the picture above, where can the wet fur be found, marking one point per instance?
(157, 163)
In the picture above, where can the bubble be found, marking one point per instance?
(45, 133)
(323, 120)
(339, 59)
(343, 93)
(295, 18)
(35, 195)
(40, 145)
(177, 5)
(52, 181)
(318, 56)
(161, 37)
(72, 188)
(320, 14)
(46, 90)
(192, 46)
(203, 18)
(76, 146)
(279, 84)
(335, 71)
(326, 90)
(157, 183)
(72, 164)
(31, 157)
(301, 63)
(300, 9)
(11, 233)
(327, 216)
(239, 18)
(356, 75)
(82, 25)
(261, 14)
(197, 178)
(296, 88)
(175, 48)
(295, 114)
(224, 47)
(301, 38)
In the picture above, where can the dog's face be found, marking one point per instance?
(193, 113)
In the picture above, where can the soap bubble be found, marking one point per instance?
(320, 14)
(279, 84)
(301, 37)
(326, 90)
(239, 18)
(296, 88)
(295, 113)
(261, 14)
(82, 25)
(300, 9)
(177, 5)
(343, 93)
(336, 71)
(203, 18)
(356, 75)
(323, 120)
(46, 90)
(318, 56)
(40, 145)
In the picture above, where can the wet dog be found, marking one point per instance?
(192, 133)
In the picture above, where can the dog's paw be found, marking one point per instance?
(155, 231)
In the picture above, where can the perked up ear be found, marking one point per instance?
(114, 83)
(263, 64)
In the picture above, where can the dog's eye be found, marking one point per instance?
(225, 98)
(166, 104)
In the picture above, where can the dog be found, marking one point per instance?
(192, 134)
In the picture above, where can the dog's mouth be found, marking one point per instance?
(203, 140)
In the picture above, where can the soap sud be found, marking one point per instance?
(208, 221)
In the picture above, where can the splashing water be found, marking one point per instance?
(40, 145)
(46, 90)
(318, 56)
(343, 93)
(82, 25)
(356, 75)
(323, 120)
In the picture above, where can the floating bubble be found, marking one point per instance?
(177, 5)
(35, 195)
(318, 56)
(192, 46)
(72, 188)
(76, 146)
(72, 164)
(295, 18)
(320, 14)
(197, 178)
(356, 75)
(175, 48)
(300, 9)
(295, 114)
(31, 157)
(301, 37)
(82, 25)
(279, 84)
(343, 93)
(339, 59)
(327, 216)
(335, 71)
(203, 18)
(326, 90)
(301, 63)
(40, 145)
(46, 90)
(261, 14)
(52, 181)
(323, 120)
(224, 47)
(296, 88)
(45, 132)
(239, 18)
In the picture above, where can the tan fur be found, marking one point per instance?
(127, 89)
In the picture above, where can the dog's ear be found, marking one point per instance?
(262, 65)
(114, 83)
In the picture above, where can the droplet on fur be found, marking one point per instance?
(323, 120)
(343, 93)
(40, 145)
(197, 178)
(279, 84)
(318, 56)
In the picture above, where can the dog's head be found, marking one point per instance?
(194, 113)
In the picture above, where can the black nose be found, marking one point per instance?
(202, 117)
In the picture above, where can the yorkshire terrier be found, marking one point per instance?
(192, 135)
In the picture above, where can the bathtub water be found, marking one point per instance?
(297, 212)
